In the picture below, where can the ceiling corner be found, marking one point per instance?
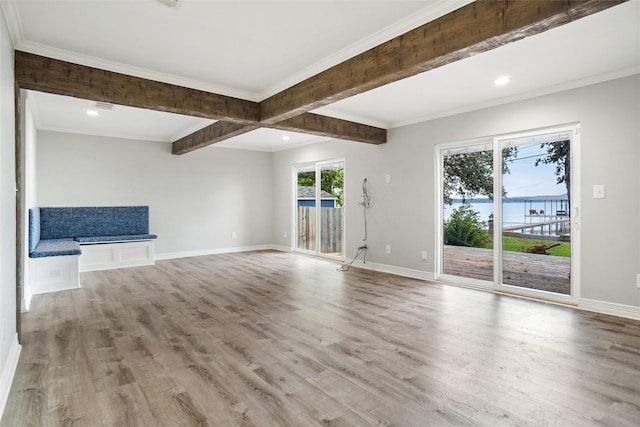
(13, 22)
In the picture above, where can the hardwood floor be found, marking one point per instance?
(275, 339)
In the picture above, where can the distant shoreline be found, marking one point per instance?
(562, 197)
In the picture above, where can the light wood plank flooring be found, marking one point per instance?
(276, 339)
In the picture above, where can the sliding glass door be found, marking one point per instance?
(318, 205)
(536, 212)
(467, 193)
(525, 240)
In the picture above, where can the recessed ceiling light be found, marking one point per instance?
(286, 137)
(502, 80)
(92, 113)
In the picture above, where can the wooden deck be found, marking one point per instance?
(543, 272)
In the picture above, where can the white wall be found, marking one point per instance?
(403, 212)
(9, 348)
(196, 200)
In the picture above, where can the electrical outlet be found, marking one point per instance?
(638, 281)
(387, 249)
(284, 235)
(598, 191)
(233, 235)
(423, 255)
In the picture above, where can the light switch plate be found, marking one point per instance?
(598, 191)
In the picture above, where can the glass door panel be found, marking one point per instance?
(467, 233)
(331, 209)
(305, 229)
(536, 224)
(319, 201)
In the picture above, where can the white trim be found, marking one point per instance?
(26, 302)
(92, 61)
(13, 21)
(613, 309)
(515, 98)
(8, 372)
(217, 251)
(398, 271)
(433, 11)
(317, 167)
(281, 248)
(98, 256)
(53, 274)
(497, 284)
(610, 308)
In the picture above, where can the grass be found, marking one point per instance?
(520, 244)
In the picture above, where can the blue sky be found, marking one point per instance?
(526, 179)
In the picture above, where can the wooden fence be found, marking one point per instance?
(331, 226)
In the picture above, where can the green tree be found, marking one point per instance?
(331, 181)
(470, 175)
(464, 228)
(559, 154)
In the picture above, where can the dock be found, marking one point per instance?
(554, 229)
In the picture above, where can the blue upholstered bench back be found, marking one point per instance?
(34, 228)
(58, 231)
(61, 223)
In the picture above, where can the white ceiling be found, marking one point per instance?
(253, 49)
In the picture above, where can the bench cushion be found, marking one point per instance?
(56, 247)
(106, 239)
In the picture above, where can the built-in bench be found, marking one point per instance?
(65, 241)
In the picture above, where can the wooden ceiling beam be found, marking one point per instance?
(216, 132)
(64, 78)
(313, 124)
(469, 30)
(235, 116)
(316, 124)
(472, 29)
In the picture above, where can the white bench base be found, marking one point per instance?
(52, 274)
(106, 256)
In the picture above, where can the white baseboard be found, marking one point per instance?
(218, 251)
(281, 248)
(620, 310)
(392, 269)
(8, 372)
(614, 309)
(26, 301)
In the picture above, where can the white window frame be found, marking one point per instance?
(294, 205)
(495, 143)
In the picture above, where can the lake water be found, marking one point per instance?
(513, 212)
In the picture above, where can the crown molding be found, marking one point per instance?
(337, 114)
(575, 84)
(12, 18)
(91, 61)
(435, 10)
